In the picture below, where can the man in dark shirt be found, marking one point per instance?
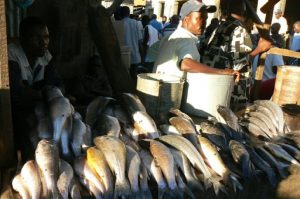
(30, 70)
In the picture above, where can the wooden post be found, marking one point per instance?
(6, 131)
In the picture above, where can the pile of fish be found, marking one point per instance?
(47, 176)
(131, 156)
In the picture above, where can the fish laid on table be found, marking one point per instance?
(228, 117)
(144, 186)
(216, 163)
(133, 165)
(168, 129)
(132, 103)
(155, 171)
(145, 125)
(265, 111)
(85, 172)
(242, 157)
(293, 151)
(266, 120)
(179, 113)
(184, 189)
(294, 138)
(260, 124)
(19, 185)
(130, 142)
(96, 160)
(47, 158)
(186, 168)
(75, 189)
(214, 133)
(256, 131)
(65, 138)
(114, 151)
(91, 187)
(121, 114)
(187, 148)
(30, 174)
(44, 126)
(64, 179)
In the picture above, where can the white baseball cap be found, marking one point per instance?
(195, 6)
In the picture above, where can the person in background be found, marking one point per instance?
(31, 70)
(156, 24)
(169, 29)
(164, 21)
(295, 44)
(279, 18)
(277, 38)
(133, 39)
(151, 36)
(177, 53)
(211, 27)
(230, 46)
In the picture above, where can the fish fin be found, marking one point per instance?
(174, 193)
(234, 183)
(146, 194)
(188, 192)
(218, 186)
(121, 188)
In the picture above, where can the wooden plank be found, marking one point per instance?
(6, 131)
(284, 52)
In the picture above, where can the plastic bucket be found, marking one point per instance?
(159, 93)
(287, 85)
(204, 92)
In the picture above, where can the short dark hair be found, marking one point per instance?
(28, 24)
(125, 11)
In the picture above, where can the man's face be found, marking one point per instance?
(278, 15)
(196, 22)
(37, 41)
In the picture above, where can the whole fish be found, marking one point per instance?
(130, 142)
(265, 111)
(256, 131)
(155, 171)
(30, 174)
(95, 108)
(266, 120)
(179, 113)
(130, 131)
(96, 160)
(74, 189)
(121, 114)
(184, 165)
(145, 125)
(242, 157)
(264, 166)
(186, 147)
(182, 186)
(260, 124)
(276, 111)
(215, 134)
(279, 152)
(216, 163)
(107, 125)
(281, 167)
(84, 171)
(65, 138)
(169, 129)
(114, 151)
(19, 185)
(60, 109)
(64, 179)
(78, 131)
(47, 158)
(133, 165)
(91, 187)
(228, 117)
(164, 159)
(143, 179)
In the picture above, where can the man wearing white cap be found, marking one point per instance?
(281, 20)
(177, 53)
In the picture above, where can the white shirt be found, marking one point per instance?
(283, 24)
(17, 54)
(153, 35)
(132, 35)
(171, 50)
(270, 61)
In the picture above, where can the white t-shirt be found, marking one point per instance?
(171, 50)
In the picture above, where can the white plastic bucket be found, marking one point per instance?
(204, 92)
(159, 93)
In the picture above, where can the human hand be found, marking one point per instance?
(236, 74)
(263, 45)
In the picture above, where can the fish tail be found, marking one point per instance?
(174, 193)
(189, 192)
(122, 188)
(54, 194)
(271, 177)
(76, 149)
(207, 183)
(282, 172)
(194, 185)
(218, 186)
(236, 185)
(246, 168)
(146, 194)
(58, 125)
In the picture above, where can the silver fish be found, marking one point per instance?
(169, 129)
(145, 125)
(74, 189)
(53, 92)
(91, 187)
(87, 138)
(179, 113)
(262, 126)
(266, 120)
(269, 114)
(19, 185)
(121, 115)
(107, 125)
(293, 151)
(64, 179)
(143, 179)
(130, 142)
(155, 171)
(114, 151)
(132, 103)
(78, 132)
(31, 177)
(47, 158)
(182, 186)
(133, 165)
(186, 147)
(256, 131)
(65, 138)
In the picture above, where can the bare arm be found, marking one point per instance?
(263, 46)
